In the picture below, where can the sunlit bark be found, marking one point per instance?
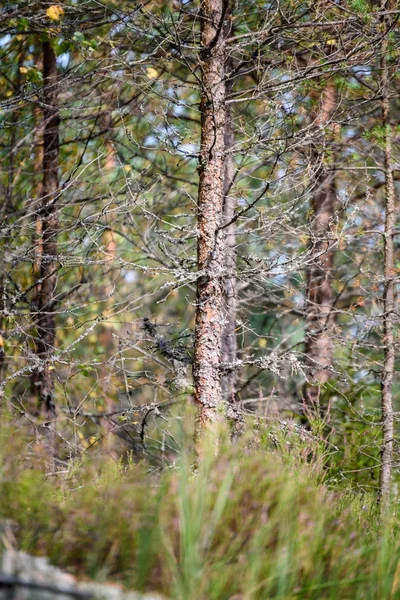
(210, 248)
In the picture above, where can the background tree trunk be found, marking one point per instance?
(319, 303)
(6, 210)
(229, 341)
(43, 376)
(210, 247)
(388, 294)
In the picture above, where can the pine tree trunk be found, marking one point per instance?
(43, 377)
(319, 303)
(37, 187)
(6, 209)
(388, 295)
(210, 246)
(110, 249)
(37, 194)
(229, 341)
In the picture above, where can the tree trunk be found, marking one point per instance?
(37, 188)
(388, 295)
(210, 245)
(37, 241)
(110, 249)
(229, 341)
(6, 209)
(320, 297)
(43, 376)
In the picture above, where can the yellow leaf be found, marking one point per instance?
(55, 12)
(331, 42)
(151, 73)
(303, 239)
(23, 70)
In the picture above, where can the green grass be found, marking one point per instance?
(248, 522)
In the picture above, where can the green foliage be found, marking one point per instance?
(361, 7)
(253, 523)
(378, 134)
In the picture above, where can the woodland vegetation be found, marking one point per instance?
(199, 368)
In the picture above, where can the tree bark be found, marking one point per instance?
(210, 245)
(43, 376)
(320, 297)
(388, 295)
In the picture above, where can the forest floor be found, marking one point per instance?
(249, 521)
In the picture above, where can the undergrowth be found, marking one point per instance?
(249, 521)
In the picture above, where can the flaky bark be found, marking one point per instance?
(320, 295)
(388, 296)
(210, 246)
(43, 376)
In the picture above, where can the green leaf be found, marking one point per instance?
(78, 36)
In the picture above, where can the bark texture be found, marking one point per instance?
(210, 246)
(43, 376)
(320, 296)
(388, 295)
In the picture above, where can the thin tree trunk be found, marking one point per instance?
(210, 246)
(43, 377)
(37, 187)
(320, 297)
(7, 209)
(388, 295)
(37, 241)
(37, 195)
(229, 341)
(106, 331)
(108, 241)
